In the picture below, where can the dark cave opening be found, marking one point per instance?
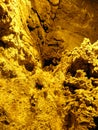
(80, 64)
(39, 85)
(70, 86)
(2, 44)
(96, 123)
(30, 28)
(5, 122)
(29, 66)
(47, 62)
(50, 61)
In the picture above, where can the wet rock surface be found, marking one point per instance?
(48, 73)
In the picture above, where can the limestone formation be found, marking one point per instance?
(48, 65)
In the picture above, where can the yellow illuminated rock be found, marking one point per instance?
(54, 2)
(48, 65)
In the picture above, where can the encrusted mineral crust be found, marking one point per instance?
(48, 78)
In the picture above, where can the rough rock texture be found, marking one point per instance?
(48, 78)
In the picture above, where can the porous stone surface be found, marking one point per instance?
(48, 73)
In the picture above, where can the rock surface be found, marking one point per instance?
(48, 76)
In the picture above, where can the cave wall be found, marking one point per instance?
(48, 78)
(67, 19)
(61, 24)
